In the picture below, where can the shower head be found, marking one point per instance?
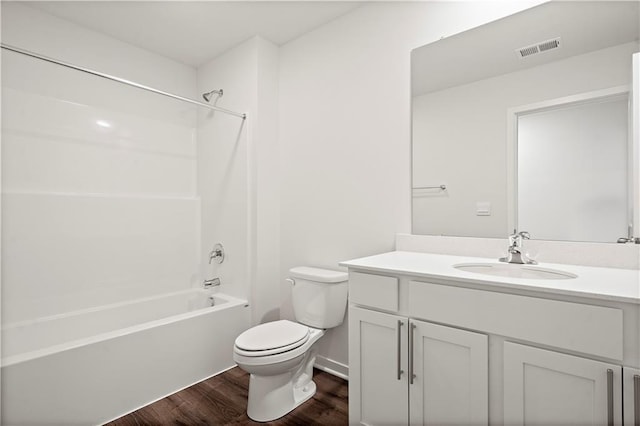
(207, 96)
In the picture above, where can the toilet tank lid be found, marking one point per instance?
(318, 274)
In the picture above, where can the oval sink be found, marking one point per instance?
(515, 271)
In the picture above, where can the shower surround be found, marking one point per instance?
(102, 209)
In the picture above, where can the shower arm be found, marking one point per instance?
(207, 96)
(119, 80)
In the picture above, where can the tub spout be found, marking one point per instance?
(214, 282)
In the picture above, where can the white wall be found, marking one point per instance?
(344, 131)
(265, 288)
(472, 118)
(41, 32)
(237, 174)
(92, 215)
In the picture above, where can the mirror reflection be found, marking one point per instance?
(526, 123)
(572, 175)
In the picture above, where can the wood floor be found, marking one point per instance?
(222, 400)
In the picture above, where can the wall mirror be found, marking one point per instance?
(527, 122)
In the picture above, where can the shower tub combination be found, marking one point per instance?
(95, 365)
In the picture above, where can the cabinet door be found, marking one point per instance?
(378, 393)
(631, 396)
(543, 387)
(450, 383)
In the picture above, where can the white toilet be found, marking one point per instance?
(279, 355)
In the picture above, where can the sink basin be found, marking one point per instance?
(515, 271)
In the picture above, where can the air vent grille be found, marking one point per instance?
(548, 45)
(527, 51)
(537, 48)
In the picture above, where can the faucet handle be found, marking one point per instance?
(514, 239)
(217, 253)
(522, 234)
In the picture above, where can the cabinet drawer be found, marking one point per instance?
(583, 328)
(377, 291)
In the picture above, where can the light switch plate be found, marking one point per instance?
(483, 208)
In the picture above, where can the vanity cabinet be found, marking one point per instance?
(551, 388)
(407, 371)
(377, 374)
(425, 351)
(448, 375)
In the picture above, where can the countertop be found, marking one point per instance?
(620, 285)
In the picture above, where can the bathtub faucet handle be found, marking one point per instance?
(217, 253)
(214, 282)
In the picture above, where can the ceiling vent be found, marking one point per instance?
(537, 48)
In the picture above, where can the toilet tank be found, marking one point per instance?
(319, 296)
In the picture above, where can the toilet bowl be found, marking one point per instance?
(279, 355)
(281, 371)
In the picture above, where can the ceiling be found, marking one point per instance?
(193, 32)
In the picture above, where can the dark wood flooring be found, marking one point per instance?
(222, 400)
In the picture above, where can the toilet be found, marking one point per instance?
(279, 355)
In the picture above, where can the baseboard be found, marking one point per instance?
(332, 367)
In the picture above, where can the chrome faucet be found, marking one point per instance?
(214, 282)
(514, 253)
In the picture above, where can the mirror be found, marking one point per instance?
(500, 117)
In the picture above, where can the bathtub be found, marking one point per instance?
(95, 365)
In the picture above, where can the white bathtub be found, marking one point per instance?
(94, 365)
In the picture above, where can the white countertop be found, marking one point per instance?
(621, 285)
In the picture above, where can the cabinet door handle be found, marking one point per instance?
(636, 398)
(399, 352)
(609, 397)
(412, 327)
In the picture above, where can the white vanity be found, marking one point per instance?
(446, 339)
(491, 343)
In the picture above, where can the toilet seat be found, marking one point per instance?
(278, 356)
(271, 338)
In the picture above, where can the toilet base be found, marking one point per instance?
(277, 387)
(305, 393)
(271, 397)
